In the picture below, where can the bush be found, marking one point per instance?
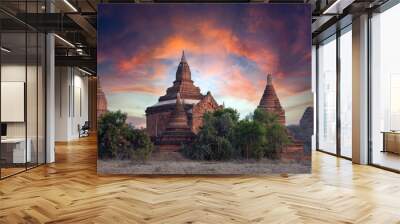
(249, 138)
(213, 142)
(119, 140)
(275, 133)
(140, 146)
(224, 137)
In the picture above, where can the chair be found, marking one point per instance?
(84, 130)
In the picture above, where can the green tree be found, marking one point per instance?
(213, 140)
(275, 133)
(232, 113)
(111, 128)
(140, 146)
(224, 137)
(249, 137)
(119, 140)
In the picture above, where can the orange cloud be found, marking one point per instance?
(220, 44)
(211, 42)
(172, 47)
(228, 43)
(136, 88)
(284, 90)
(134, 61)
(237, 85)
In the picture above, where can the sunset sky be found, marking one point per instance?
(230, 49)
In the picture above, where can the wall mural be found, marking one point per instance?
(204, 88)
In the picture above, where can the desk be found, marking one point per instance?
(391, 141)
(18, 150)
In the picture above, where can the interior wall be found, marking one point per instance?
(360, 90)
(314, 91)
(92, 93)
(71, 102)
(16, 72)
(62, 81)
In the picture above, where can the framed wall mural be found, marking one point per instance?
(204, 88)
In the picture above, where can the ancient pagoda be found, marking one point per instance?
(183, 84)
(162, 115)
(101, 100)
(270, 101)
(177, 131)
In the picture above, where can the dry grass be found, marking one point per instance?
(174, 163)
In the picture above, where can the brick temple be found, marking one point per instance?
(101, 100)
(178, 115)
(270, 103)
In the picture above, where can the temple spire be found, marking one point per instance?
(183, 58)
(270, 102)
(183, 72)
(269, 79)
(183, 83)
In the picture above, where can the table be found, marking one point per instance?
(391, 141)
(19, 155)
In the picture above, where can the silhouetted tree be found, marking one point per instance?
(119, 140)
(275, 133)
(224, 137)
(249, 137)
(213, 140)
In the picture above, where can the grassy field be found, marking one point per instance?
(174, 163)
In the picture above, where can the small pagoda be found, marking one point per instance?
(270, 102)
(178, 131)
(101, 100)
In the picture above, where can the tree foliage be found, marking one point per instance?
(119, 140)
(276, 133)
(213, 142)
(223, 136)
(250, 139)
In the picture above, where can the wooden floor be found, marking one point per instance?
(387, 159)
(70, 191)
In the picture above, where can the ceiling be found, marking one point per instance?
(75, 21)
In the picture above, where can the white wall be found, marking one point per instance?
(33, 127)
(16, 73)
(71, 102)
(360, 90)
(314, 91)
(62, 82)
(50, 94)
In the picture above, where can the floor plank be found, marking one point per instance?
(70, 191)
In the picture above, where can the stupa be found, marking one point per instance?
(178, 131)
(183, 84)
(101, 100)
(194, 104)
(270, 101)
(180, 109)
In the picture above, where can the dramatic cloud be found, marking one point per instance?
(230, 49)
(136, 88)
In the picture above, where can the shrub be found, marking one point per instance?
(224, 137)
(119, 140)
(140, 146)
(249, 138)
(213, 140)
(275, 133)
